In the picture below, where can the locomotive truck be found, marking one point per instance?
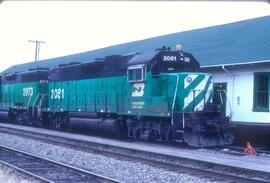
(160, 95)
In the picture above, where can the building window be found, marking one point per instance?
(261, 92)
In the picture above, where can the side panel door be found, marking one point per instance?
(72, 96)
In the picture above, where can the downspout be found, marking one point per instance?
(233, 77)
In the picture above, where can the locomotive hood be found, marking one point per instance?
(142, 58)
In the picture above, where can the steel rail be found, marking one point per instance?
(199, 167)
(80, 175)
(24, 173)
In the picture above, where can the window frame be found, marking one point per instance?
(143, 72)
(255, 91)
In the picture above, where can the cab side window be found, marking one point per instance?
(136, 73)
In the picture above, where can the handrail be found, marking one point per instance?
(36, 99)
(194, 92)
(33, 106)
(40, 103)
(27, 106)
(175, 93)
(227, 100)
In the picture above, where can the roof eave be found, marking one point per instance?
(236, 64)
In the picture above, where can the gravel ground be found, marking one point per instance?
(8, 175)
(125, 171)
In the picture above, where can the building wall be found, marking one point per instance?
(240, 85)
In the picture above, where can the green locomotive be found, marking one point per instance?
(24, 96)
(158, 96)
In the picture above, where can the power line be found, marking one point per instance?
(37, 50)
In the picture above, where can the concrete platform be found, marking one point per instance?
(259, 163)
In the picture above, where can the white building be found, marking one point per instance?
(247, 90)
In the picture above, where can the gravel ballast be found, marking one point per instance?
(122, 170)
(8, 175)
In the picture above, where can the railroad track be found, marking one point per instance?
(44, 170)
(198, 167)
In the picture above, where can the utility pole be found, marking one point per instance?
(37, 50)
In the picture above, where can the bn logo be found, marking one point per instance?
(138, 90)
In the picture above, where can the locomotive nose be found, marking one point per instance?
(196, 91)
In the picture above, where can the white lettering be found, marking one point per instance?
(57, 93)
(187, 59)
(137, 105)
(169, 58)
(28, 91)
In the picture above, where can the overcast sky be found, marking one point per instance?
(72, 27)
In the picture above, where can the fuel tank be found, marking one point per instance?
(3, 116)
(108, 126)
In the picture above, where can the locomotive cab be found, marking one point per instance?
(173, 62)
(173, 100)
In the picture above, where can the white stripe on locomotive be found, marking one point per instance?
(198, 89)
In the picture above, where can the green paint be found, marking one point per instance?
(22, 95)
(152, 97)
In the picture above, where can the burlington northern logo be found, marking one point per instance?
(138, 90)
